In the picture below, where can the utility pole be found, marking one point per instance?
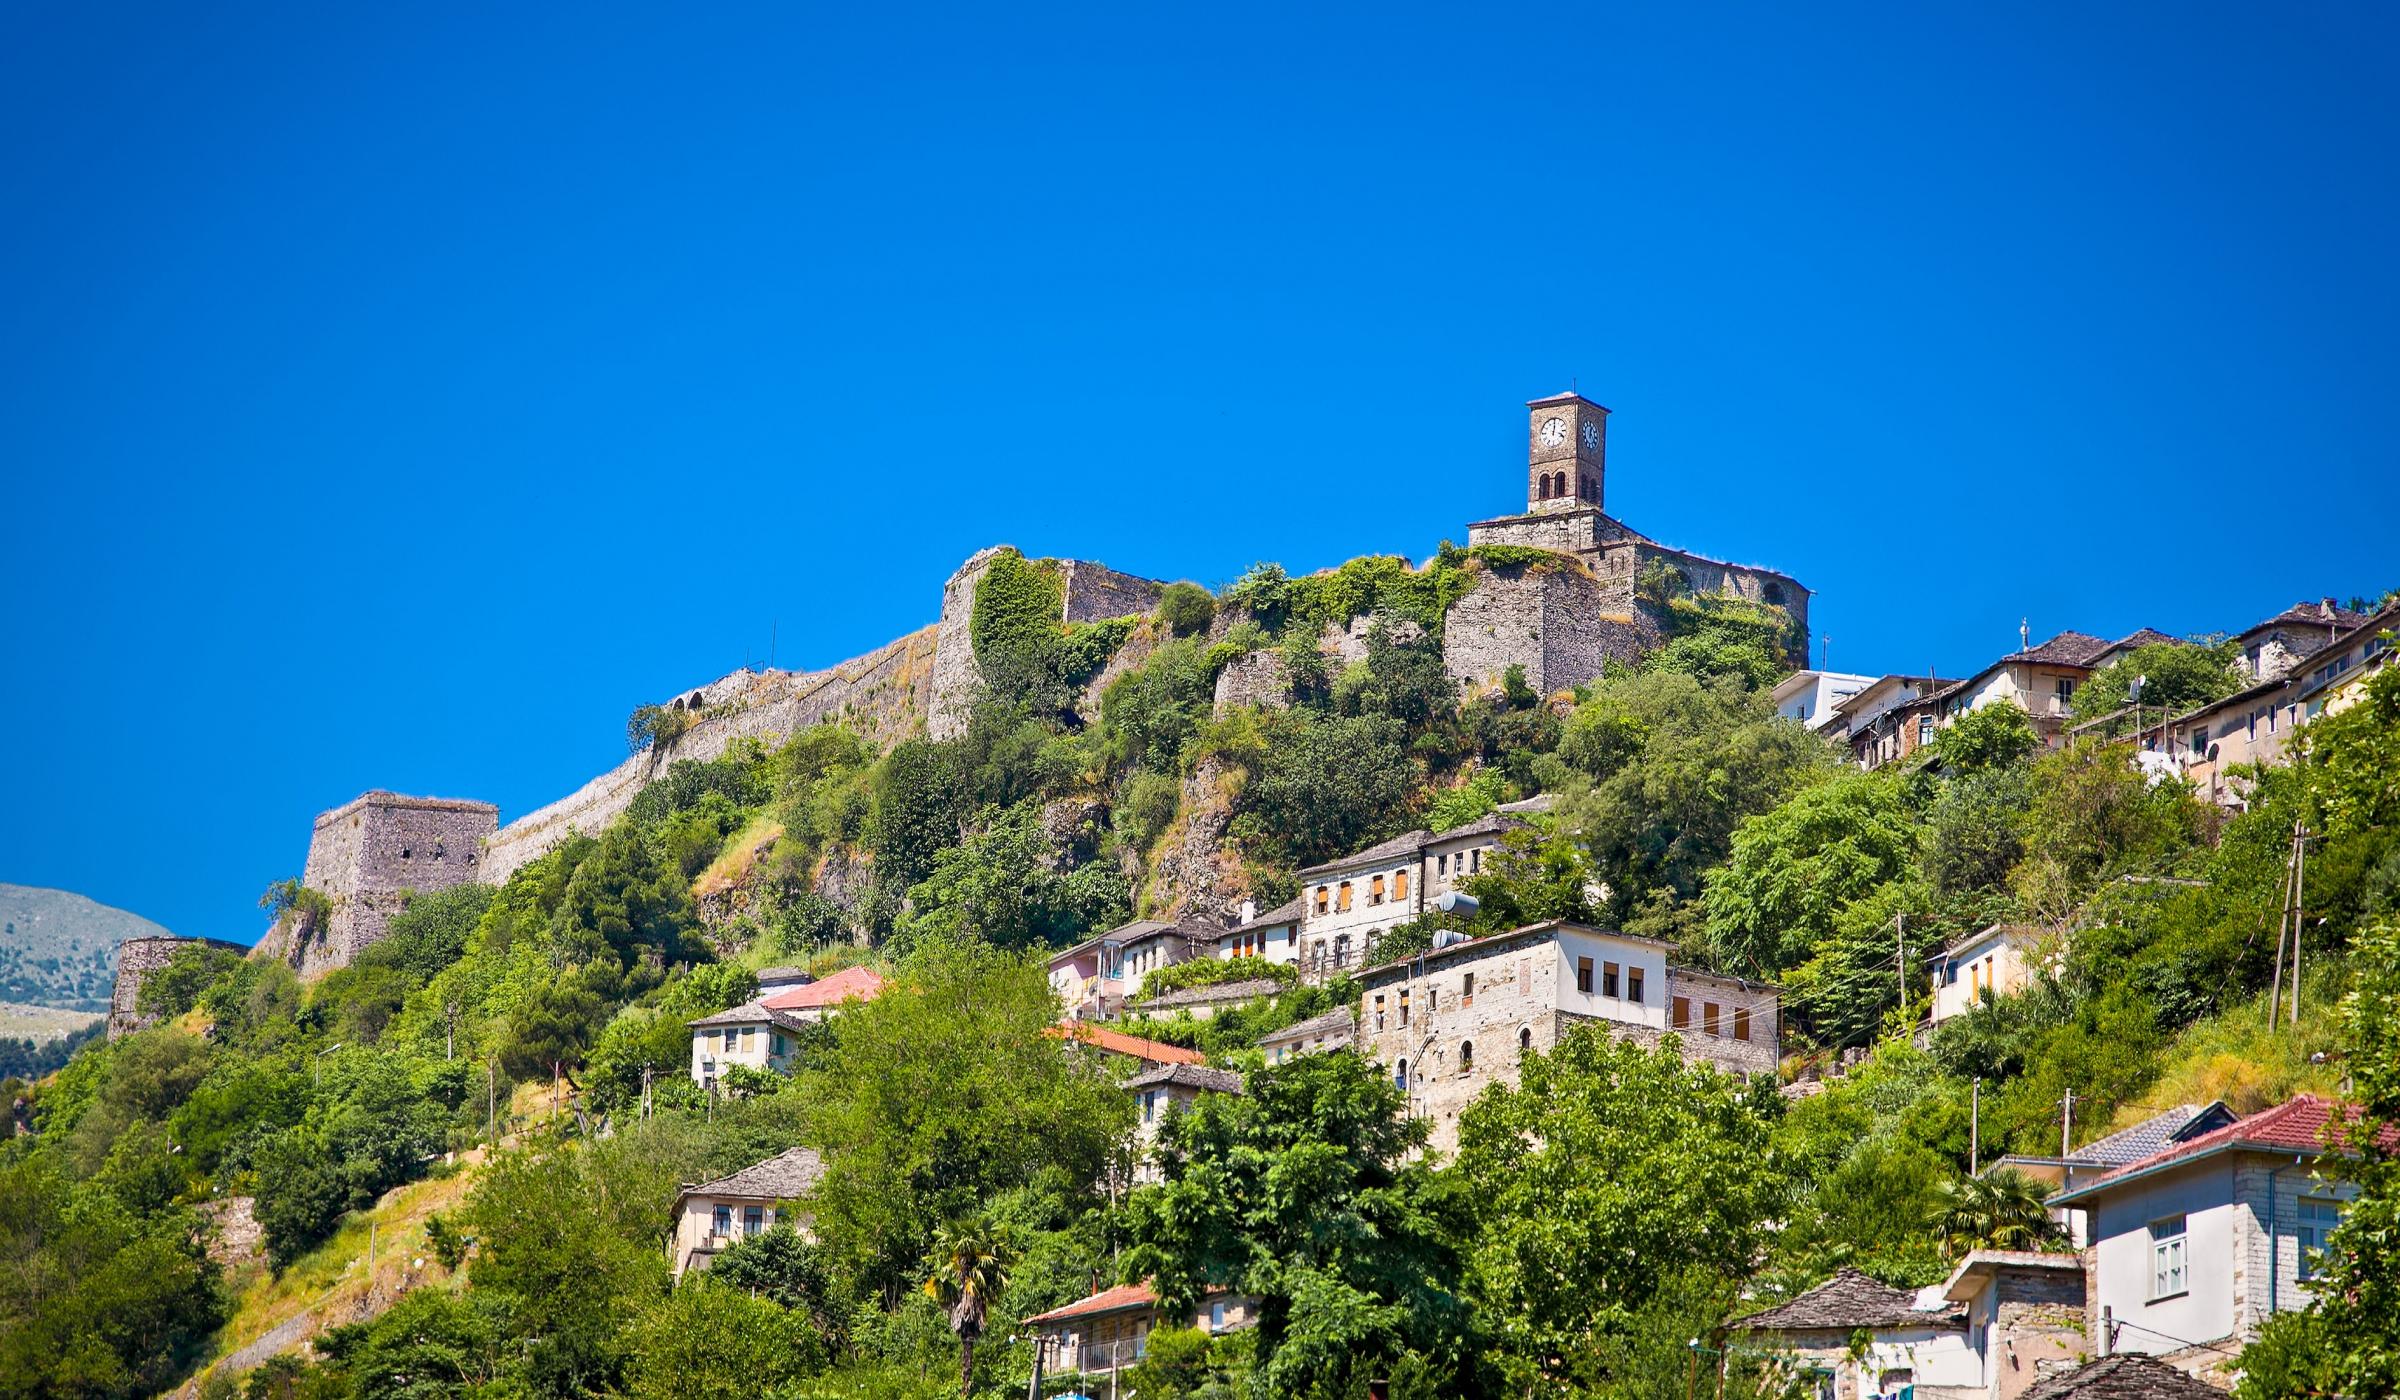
(2300, 835)
(1900, 934)
(2287, 925)
(2066, 1126)
(491, 1105)
(1975, 1127)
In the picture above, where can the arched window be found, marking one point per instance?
(1544, 491)
(1400, 1075)
(1775, 594)
(1466, 1057)
(1525, 1040)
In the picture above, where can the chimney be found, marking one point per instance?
(2328, 606)
(1249, 910)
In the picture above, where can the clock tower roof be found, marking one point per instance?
(1569, 397)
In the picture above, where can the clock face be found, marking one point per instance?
(1554, 431)
(1591, 437)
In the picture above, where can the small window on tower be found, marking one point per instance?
(1544, 492)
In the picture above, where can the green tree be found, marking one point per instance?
(1795, 867)
(2175, 677)
(1303, 1192)
(1328, 785)
(941, 1094)
(1562, 1251)
(710, 1341)
(1004, 884)
(918, 804)
(1986, 738)
(1186, 608)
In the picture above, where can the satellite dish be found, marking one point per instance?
(2134, 691)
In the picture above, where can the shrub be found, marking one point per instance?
(1186, 608)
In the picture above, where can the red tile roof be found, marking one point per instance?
(1124, 1295)
(2296, 1125)
(849, 984)
(1119, 1043)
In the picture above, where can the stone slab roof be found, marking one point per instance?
(1966, 1280)
(749, 1013)
(1341, 1021)
(1408, 843)
(1279, 915)
(2126, 1376)
(779, 1178)
(1211, 992)
(1848, 1300)
(2151, 1136)
(1215, 1081)
(2319, 614)
(2065, 649)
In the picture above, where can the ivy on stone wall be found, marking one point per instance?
(1020, 648)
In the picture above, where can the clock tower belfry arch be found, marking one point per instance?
(1566, 453)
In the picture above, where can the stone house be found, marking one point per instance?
(1811, 696)
(749, 1036)
(2000, 959)
(1273, 936)
(2272, 648)
(1166, 1089)
(2025, 1319)
(1914, 1338)
(2195, 1246)
(1888, 719)
(1335, 1030)
(1095, 978)
(1110, 1330)
(1451, 1020)
(1347, 905)
(2256, 725)
(710, 1217)
(2041, 681)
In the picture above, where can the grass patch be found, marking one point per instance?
(738, 856)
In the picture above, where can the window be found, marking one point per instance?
(1400, 1075)
(1466, 990)
(1149, 1105)
(1525, 1040)
(1399, 884)
(1543, 491)
(2167, 1263)
(1322, 895)
(1441, 864)
(1475, 860)
(1708, 1018)
(1583, 975)
(749, 1033)
(2064, 689)
(1683, 1012)
(1433, 1000)
(1608, 979)
(1216, 1317)
(1466, 1057)
(1741, 1023)
(2318, 1216)
(1924, 729)
(1404, 1006)
(1342, 899)
(720, 1221)
(1341, 950)
(1375, 890)
(1633, 985)
(732, 1038)
(754, 1220)
(775, 1044)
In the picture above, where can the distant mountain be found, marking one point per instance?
(60, 949)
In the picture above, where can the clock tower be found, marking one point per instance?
(1566, 451)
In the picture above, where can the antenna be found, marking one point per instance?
(2024, 636)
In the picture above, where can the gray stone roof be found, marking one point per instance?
(1341, 1021)
(1848, 1300)
(1407, 843)
(1215, 1081)
(2153, 1135)
(749, 1013)
(2125, 1376)
(779, 1178)
(783, 974)
(1489, 823)
(1215, 992)
(1280, 914)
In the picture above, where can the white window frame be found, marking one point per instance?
(2170, 1257)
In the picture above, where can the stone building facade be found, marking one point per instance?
(137, 958)
(1448, 1022)
(367, 856)
(1560, 626)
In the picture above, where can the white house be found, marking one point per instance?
(1811, 696)
(710, 1217)
(2001, 959)
(2099, 1157)
(1914, 1338)
(750, 1036)
(2196, 1245)
(1094, 978)
(1273, 936)
(1347, 905)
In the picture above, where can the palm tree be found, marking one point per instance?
(2001, 1209)
(970, 1266)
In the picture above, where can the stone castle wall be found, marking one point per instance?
(367, 856)
(884, 695)
(1088, 593)
(137, 958)
(1561, 623)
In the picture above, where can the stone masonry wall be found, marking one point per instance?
(1088, 593)
(367, 856)
(1095, 592)
(137, 958)
(1557, 622)
(883, 694)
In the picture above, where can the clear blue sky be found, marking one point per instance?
(395, 396)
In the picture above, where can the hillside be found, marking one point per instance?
(58, 948)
